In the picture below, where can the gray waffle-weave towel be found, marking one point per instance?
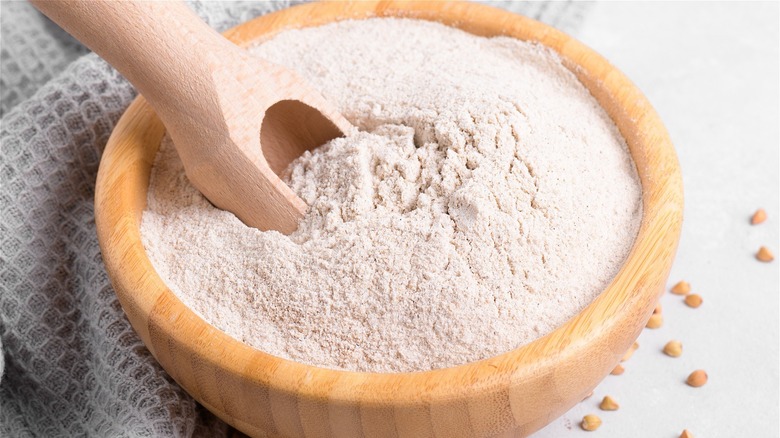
(71, 363)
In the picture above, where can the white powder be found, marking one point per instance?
(486, 200)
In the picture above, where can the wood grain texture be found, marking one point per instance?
(510, 395)
(237, 121)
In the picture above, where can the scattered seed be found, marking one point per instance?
(758, 217)
(681, 288)
(697, 378)
(686, 434)
(630, 352)
(655, 321)
(657, 308)
(764, 254)
(693, 300)
(590, 422)
(609, 404)
(590, 394)
(618, 370)
(673, 348)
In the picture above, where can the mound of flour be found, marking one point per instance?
(487, 199)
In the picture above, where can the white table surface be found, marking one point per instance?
(711, 71)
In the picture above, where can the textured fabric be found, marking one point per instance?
(34, 50)
(71, 363)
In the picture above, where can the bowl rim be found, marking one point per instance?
(159, 317)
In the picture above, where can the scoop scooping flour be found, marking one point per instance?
(486, 199)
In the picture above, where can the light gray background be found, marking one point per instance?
(711, 71)
(73, 365)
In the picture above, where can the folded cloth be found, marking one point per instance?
(72, 364)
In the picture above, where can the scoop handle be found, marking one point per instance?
(204, 89)
(162, 47)
(215, 100)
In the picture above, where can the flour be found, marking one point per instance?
(486, 200)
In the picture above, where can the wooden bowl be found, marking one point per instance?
(513, 394)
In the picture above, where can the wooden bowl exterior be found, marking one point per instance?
(513, 394)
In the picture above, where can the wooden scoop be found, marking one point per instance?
(237, 121)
